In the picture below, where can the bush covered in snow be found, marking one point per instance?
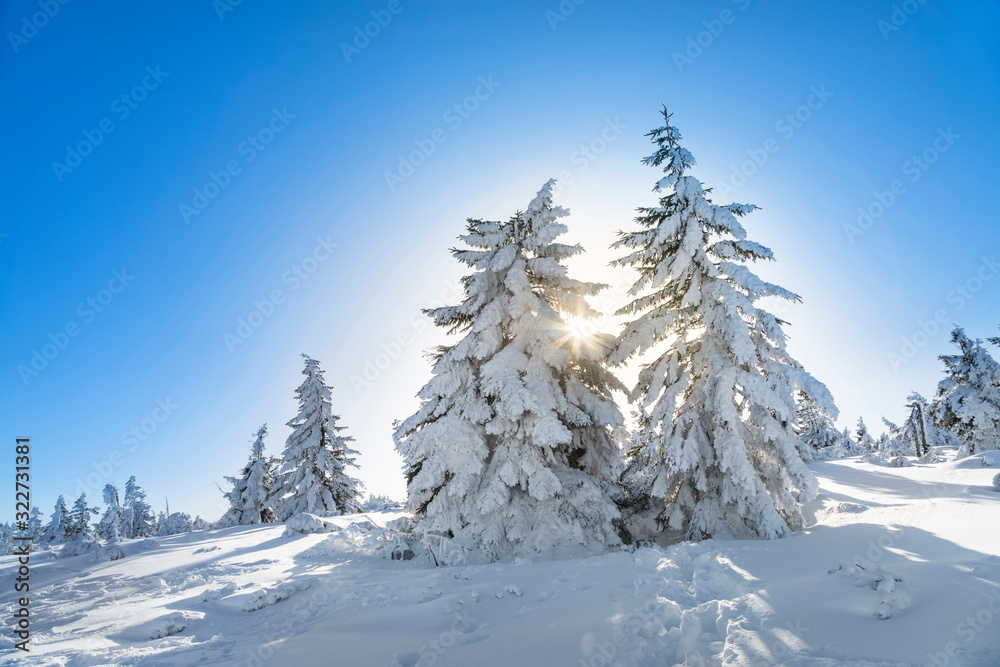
(379, 503)
(305, 523)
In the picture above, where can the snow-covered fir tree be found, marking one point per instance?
(815, 429)
(83, 539)
(315, 466)
(251, 489)
(36, 524)
(137, 516)
(720, 392)
(55, 532)
(917, 432)
(6, 538)
(864, 438)
(514, 446)
(109, 528)
(180, 522)
(968, 399)
(891, 447)
(377, 503)
(79, 518)
(845, 446)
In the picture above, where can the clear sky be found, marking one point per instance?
(170, 169)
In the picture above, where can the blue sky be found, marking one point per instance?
(289, 136)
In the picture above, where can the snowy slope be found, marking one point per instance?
(915, 546)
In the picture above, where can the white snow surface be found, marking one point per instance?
(899, 567)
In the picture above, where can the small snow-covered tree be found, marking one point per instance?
(863, 438)
(79, 518)
(968, 399)
(845, 446)
(815, 429)
(55, 532)
(917, 432)
(251, 489)
(137, 516)
(83, 539)
(720, 393)
(378, 503)
(514, 446)
(36, 524)
(109, 528)
(6, 538)
(177, 523)
(314, 474)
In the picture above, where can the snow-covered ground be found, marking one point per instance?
(900, 568)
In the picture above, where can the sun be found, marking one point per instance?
(580, 334)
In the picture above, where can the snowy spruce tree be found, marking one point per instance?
(315, 475)
(968, 399)
(863, 438)
(58, 526)
(251, 489)
(815, 429)
(514, 446)
(720, 391)
(893, 446)
(137, 516)
(81, 537)
(36, 524)
(917, 432)
(109, 528)
(79, 518)
(845, 446)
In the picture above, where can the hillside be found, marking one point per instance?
(899, 568)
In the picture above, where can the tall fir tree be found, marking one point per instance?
(137, 516)
(968, 399)
(720, 394)
(55, 532)
(314, 475)
(109, 528)
(917, 431)
(515, 445)
(248, 499)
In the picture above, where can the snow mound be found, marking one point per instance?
(848, 508)
(989, 459)
(214, 547)
(163, 626)
(216, 593)
(110, 552)
(86, 545)
(996, 481)
(892, 592)
(306, 524)
(266, 597)
(900, 461)
(363, 538)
